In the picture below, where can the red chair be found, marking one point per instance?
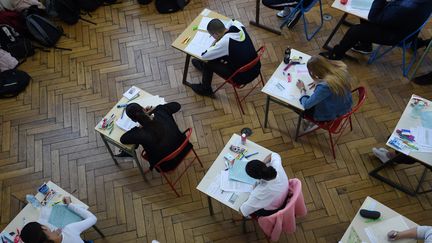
(243, 69)
(338, 125)
(185, 145)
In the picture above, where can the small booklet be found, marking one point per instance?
(131, 93)
(238, 172)
(62, 216)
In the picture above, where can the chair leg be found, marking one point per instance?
(309, 37)
(332, 145)
(238, 101)
(262, 80)
(196, 156)
(170, 184)
(350, 122)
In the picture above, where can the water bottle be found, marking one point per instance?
(33, 201)
(287, 55)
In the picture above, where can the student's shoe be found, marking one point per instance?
(362, 48)
(123, 154)
(424, 79)
(294, 20)
(283, 13)
(308, 126)
(381, 154)
(199, 89)
(330, 55)
(198, 64)
(422, 43)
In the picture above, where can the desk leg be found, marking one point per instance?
(109, 149)
(298, 126)
(98, 230)
(341, 21)
(266, 111)
(210, 205)
(186, 68)
(374, 173)
(257, 23)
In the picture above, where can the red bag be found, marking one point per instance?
(15, 20)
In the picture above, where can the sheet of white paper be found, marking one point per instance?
(200, 43)
(126, 123)
(150, 101)
(131, 92)
(423, 136)
(232, 185)
(205, 12)
(377, 233)
(214, 190)
(301, 69)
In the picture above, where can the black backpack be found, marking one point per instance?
(12, 82)
(66, 10)
(44, 31)
(12, 42)
(170, 6)
(89, 5)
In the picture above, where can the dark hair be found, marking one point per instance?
(258, 170)
(215, 26)
(137, 114)
(33, 233)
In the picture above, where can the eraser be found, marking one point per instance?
(370, 214)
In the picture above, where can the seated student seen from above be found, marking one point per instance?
(34, 232)
(271, 193)
(332, 95)
(158, 132)
(232, 49)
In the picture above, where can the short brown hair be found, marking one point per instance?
(215, 26)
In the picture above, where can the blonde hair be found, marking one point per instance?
(335, 73)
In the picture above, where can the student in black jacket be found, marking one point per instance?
(158, 132)
(233, 48)
(388, 23)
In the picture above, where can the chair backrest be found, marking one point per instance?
(248, 66)
(176, 152)
(337, 125)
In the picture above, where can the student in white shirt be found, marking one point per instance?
(420, 232)
(34, 232)
(271, 193)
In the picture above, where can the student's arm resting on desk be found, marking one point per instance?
(321, 92)
(135, 136)
(88, 221)
(171, 107)
(219, 49)
(424, 233)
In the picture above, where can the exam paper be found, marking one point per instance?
(232, 185)
(126, 123)
(238, 172)
(377, 233)
(62, 216)
(214, 190)
(200, 43)
(150, 101)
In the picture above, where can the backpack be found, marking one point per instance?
(7, 61)
(12, 82)
(66, 10)
(12, 42)
(89, 5)
(43, 31)
(13, 19)
(170, 6)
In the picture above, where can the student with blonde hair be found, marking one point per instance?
(332, 95)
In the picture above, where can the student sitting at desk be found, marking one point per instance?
(388, 23)
(332, 95)
(34, 232)
(285, 7)
(158, 132)
(420, 233)
(232, 49)
(271, 193)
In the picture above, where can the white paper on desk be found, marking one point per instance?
(232, 185)
(422, 136)
(126, 123)
(301, 70)
(150, 101)
(377, 233)
(131, 92)
(200, 43)
(214, 190)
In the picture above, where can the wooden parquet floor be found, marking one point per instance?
(47, 131)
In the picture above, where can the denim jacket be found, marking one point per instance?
(327, 106)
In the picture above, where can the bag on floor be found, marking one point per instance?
(20, 5)
(14, 43)
(170, 6)
(13, 82)
(89, 5)
(13, 19)
(7, 61)
(43, 30)
(66, 10)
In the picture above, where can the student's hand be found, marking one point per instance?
(267, 159)
(67, 200)
(301, 86)
(148, 109)
(312, 85)
(392, 235)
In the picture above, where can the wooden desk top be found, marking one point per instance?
(219, 165)
(189, 32)
(291, 94)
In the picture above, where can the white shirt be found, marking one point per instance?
(71, 232)
(425, 233)
(268, 194)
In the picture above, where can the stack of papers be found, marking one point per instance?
(423, 138)
(232, 185)
(125, 123)
(200, 43)
(214, 190)
(238, 172)
(131, 92)
(377, 233)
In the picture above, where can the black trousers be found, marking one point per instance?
(367, 33)
(281, 4)
(215, 66)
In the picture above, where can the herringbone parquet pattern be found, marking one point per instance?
(47, 131)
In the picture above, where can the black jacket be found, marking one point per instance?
(403, 16)
(171, 139)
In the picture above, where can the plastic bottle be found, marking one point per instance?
(287, 55)
(243, 139)
(33, 201)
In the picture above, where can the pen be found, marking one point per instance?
(122, 114)
(187, 41)
(136, 96)
(122, 105)
(56, 203)
(250, 155)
